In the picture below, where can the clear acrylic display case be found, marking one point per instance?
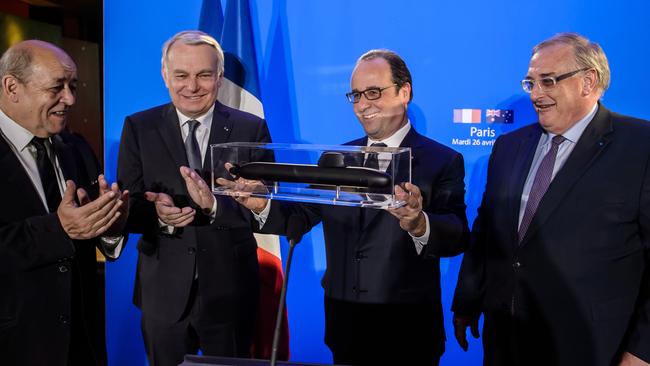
(326, 174)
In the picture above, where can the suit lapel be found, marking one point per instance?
(66, 157)
(16, 176)
(170, 134)
(592, 143)
(219, 133)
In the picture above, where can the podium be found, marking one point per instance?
(194, 360)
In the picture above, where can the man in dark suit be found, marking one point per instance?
(559, 261)
(382, 283)
(197, 276)
(50, 224)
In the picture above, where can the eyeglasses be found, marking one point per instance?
(373, 93)
(547, 82)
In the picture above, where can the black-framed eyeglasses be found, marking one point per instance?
(547, 82)
(373, 93)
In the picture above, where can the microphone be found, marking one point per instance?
(296, 227)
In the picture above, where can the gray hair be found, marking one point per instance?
(399, 72)
(588, 55)
(193, 38)
(17, 62)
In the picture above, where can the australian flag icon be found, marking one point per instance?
(499, 115)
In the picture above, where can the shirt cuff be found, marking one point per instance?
(166, 229)
(213, 212)
(421, 241)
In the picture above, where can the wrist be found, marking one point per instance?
(420, 226)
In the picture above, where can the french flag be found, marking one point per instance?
(467, 116)
(241, 89)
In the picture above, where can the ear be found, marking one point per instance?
(10, 87)
(589, 82)
(220, 80)
(164, 75)
(405, 93)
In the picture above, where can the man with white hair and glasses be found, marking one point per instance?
(559, 263)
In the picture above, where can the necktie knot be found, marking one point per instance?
(372, 160)
(192, 124)
(43, 147)
(558, 140)
(39, 143)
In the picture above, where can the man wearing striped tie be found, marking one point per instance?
(560, 258)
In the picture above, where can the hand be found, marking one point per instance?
(91, 219)
(243, 189)
(199, 191)
(460, 329)
(629, 359)
(411, 218)
(118, 227)
(167, 212)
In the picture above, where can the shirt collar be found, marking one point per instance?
(573, 134)
(204, 120)
(15, 133)
(395, 140)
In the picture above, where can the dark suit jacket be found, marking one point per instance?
(223, 253)
(37, 260)
(578, 283)
(375, 261)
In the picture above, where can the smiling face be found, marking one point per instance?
(40, 103)
(192, 78)
(563, 105)
(382, 117)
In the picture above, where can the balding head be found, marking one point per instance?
(38, 86)
(17, 60)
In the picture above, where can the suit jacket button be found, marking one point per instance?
(516, 265)
(191, 250)
(64, 319)
(63, 269)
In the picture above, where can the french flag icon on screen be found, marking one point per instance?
(467, 116)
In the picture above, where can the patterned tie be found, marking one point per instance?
(540, 184)
(45, 165)
(192, 148)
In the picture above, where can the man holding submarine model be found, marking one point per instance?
(382, 284)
